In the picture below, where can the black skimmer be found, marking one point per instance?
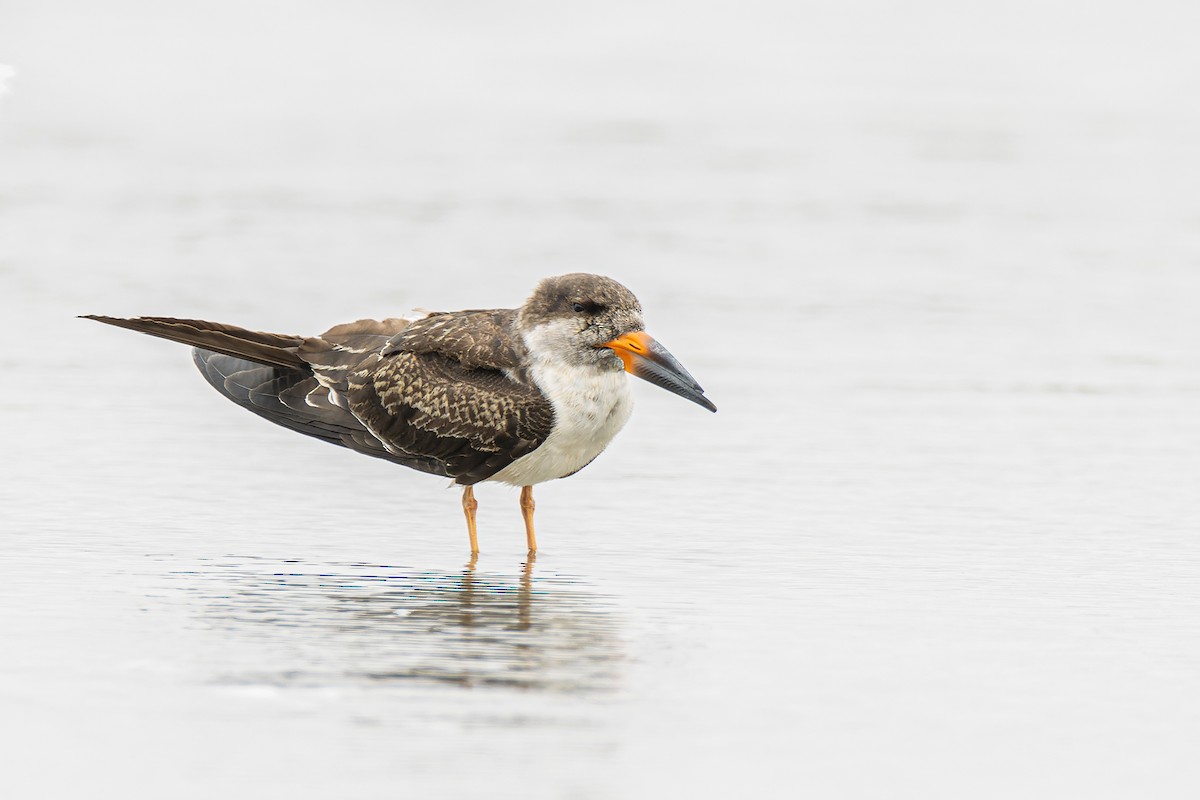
(519, 396)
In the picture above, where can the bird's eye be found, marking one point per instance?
(578, 308)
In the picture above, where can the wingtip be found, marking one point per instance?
(116, 321)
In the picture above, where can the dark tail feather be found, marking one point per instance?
(272, 349)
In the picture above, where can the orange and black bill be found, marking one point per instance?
(650, 361)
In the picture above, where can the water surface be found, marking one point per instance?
(937, 268)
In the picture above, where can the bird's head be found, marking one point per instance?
(591, 320)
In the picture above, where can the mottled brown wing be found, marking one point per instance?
(472, 338)
(442, 400)
(294, 399)
(333, 355)
(447, 388)
(298, 399)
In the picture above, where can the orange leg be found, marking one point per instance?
(527, 507)
(469, 507)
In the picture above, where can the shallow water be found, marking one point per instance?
(938, 270)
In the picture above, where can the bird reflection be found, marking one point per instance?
(356, 623)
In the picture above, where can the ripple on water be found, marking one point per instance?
(354, 624)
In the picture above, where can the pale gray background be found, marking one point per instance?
(938, 264)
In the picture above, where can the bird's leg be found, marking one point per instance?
(469, 507)
(527, 507)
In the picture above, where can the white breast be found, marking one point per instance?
(590, 406)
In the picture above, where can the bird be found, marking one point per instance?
(518, 396)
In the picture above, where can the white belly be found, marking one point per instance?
(590, 407)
